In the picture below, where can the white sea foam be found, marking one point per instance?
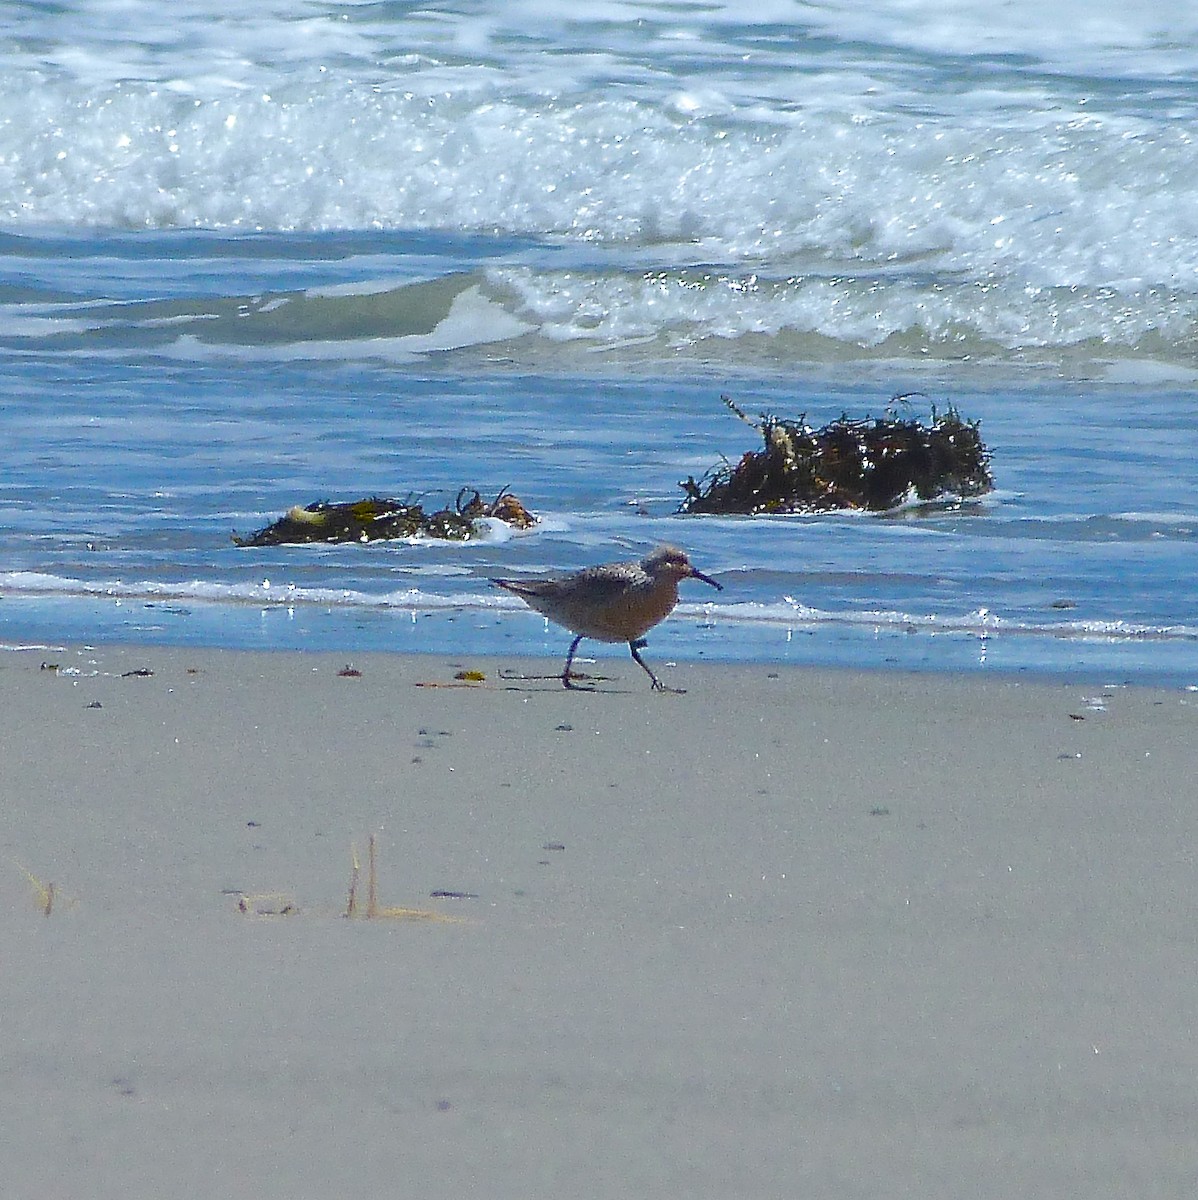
(790, 614)
(968, 179)
(328, 127)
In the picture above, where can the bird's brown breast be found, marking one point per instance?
(626, 617)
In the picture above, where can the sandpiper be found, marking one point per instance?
(615, 602)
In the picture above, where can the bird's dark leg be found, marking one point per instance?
(658, 686)
(636, 645)
(570, 662)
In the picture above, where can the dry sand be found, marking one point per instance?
(792, 934)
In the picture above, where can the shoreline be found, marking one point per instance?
(611, 658)
(795, 930)
(687, 639)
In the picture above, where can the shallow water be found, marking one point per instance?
(325, 251)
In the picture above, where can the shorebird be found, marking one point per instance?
(615, 602)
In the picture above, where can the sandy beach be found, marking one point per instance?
(791, 933)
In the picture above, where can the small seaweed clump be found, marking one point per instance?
(376, 519)
(871, 464)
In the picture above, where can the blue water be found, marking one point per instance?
(336, 250)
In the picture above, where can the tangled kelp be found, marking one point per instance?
(871, 464)
(378, 519)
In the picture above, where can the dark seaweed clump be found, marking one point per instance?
(872, 464)
(378, 519)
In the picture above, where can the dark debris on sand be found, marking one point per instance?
(377, 519)
(872, 464)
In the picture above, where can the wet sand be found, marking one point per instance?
(791, 933)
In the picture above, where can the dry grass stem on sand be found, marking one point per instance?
(45, 895)
(375, 911)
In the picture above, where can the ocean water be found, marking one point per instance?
(252, 259)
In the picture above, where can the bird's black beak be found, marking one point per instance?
(719, 587)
